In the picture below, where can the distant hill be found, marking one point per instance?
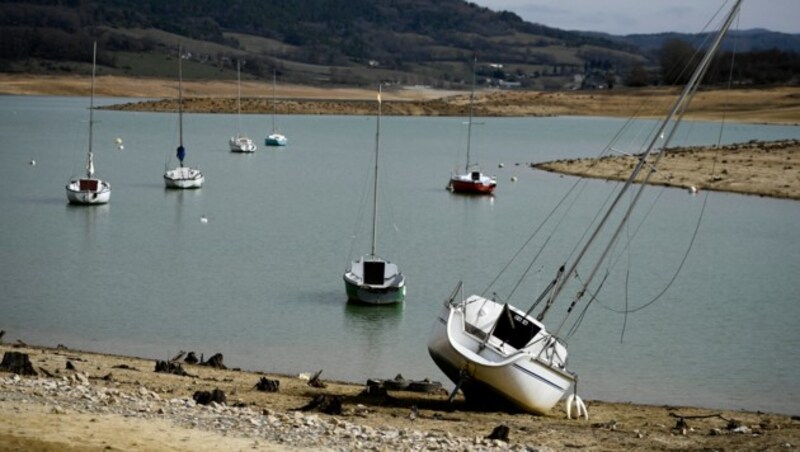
(753, 40)
(348, 42)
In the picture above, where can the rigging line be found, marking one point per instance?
(627, 279)
(680, 106)
(534, 234)
(579, 321)
(677, 271)
(580, 179)
(362, 205)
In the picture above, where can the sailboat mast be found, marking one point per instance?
(679, 105)
(469, 122)
(90, 163)
(180, 95)
(273, 102)
(375, 187)
(239, 97)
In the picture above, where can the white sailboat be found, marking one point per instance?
(371, 279)
(241, 142)
(496, 352)
(275, 138)
(472, 180)
(89, 190)
(182, 176)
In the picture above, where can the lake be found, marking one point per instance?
(261, 280)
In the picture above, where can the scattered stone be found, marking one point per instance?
(124, 366)
(70, 366)
(191, 358)
(18, 363)
(267, 385)
(165, 367)
(215, 361)
(499, 433)
(206, 397)
(325, 404)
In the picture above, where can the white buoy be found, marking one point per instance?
(513, 178)
(203, 219)
(33, 162)
(118, 140)
(121, 147)
(500, 165)
(693, 190)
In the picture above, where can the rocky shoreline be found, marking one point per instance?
(89, 401)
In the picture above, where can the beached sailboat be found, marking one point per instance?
(496, 352)
(89, 189)
(241, 142)
(275, 138)
(472, 180)
(371, 279)
(182, 176)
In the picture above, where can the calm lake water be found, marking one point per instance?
(261, 281)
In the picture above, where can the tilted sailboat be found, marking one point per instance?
(241, 142)
(89, 189)
(472, 180)
(496, 352)
(275, 138)
(182, 176)
(371, 279)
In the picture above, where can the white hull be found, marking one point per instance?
(183, 177)
(76, 195)
(387, 287)
(533, 377)
(242, 144)
(275, 139)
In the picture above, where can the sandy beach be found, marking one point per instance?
(90, 401)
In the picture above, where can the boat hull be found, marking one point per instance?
(372, 280)
(366, 294)
(488, 376)
(183, 177)
(467, 184)
(100, 193)
(275, 139)
(242, 144)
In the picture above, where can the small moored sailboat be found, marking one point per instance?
(496, 352)
(371, 279)
(241, 142)
(472, 180)
(182, 176)
(275, 138)
(89, 190)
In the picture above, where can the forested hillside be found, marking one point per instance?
(352, 42)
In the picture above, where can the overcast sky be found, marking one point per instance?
(621, 17)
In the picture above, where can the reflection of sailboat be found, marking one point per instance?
(241, 142)
(495, 351)
(471, 181)
(371, 279)
(275, 138)
(182, 176)
(89, 189)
